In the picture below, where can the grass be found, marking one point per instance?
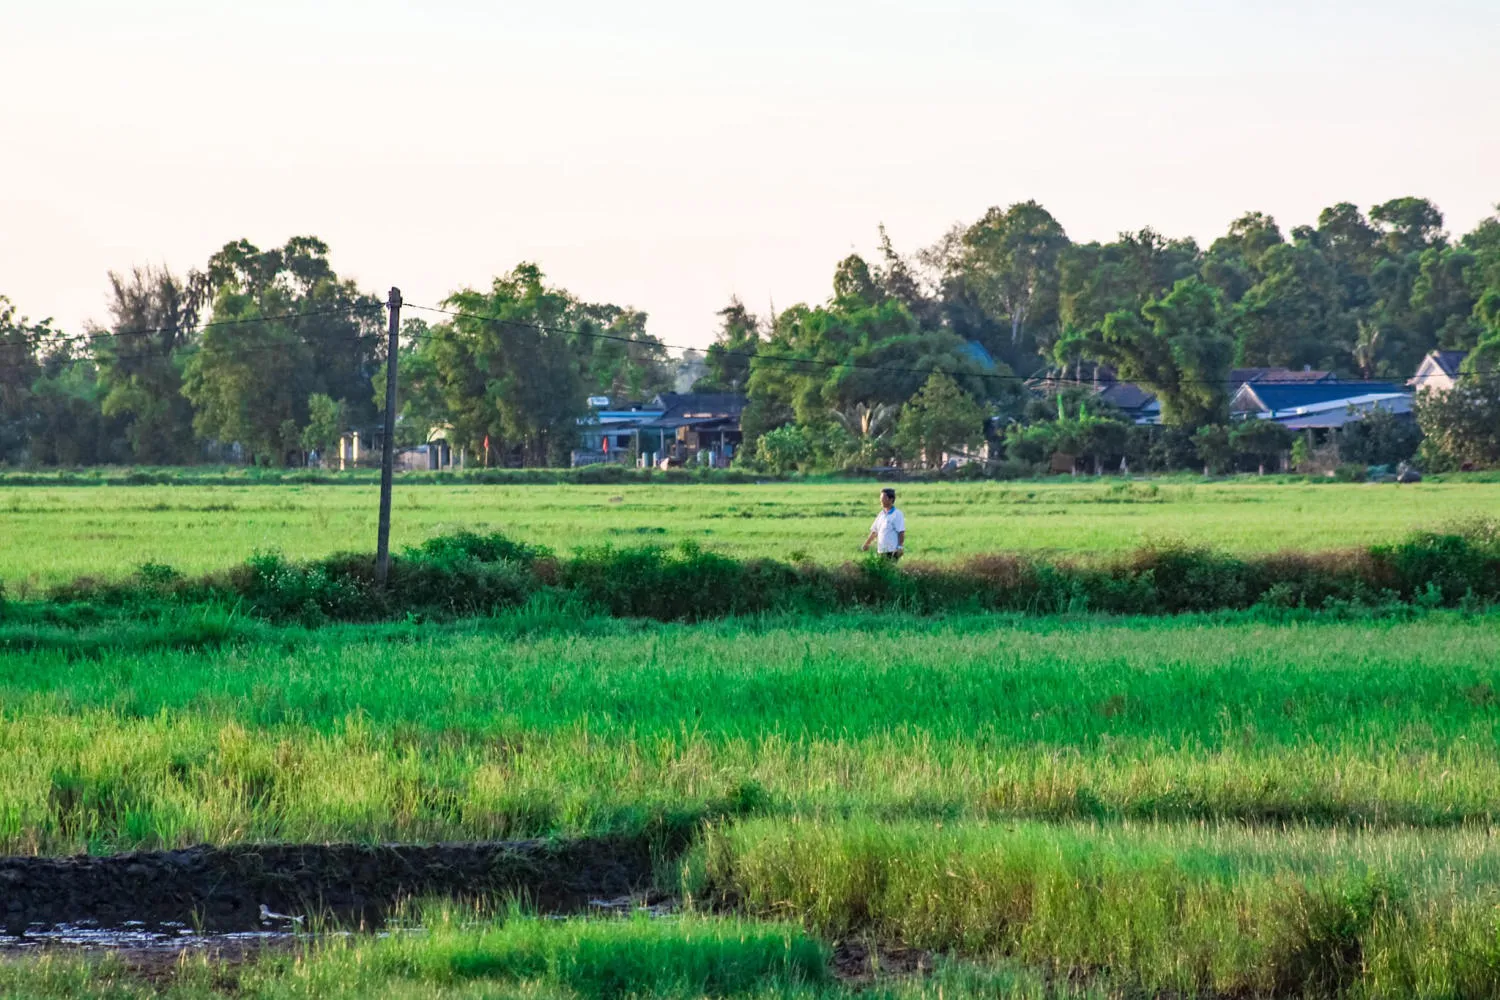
(1266, 803)
(1178, 909)
(500, 729)
(54, 534)
(455, 953)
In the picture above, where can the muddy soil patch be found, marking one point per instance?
(224, 888)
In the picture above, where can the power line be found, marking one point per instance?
(89, 340)
(98, 335)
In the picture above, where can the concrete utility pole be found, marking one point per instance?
(388, 446)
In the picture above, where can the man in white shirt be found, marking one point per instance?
(889, 530)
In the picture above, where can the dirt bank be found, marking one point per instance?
(223, 889)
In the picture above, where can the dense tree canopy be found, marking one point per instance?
(270, 354)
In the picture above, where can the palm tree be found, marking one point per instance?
(866, 421)
(1367, 347)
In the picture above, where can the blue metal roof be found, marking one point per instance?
(1278, 396)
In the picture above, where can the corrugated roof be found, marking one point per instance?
(1278, 396)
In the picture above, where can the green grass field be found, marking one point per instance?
(50, 535)
(1222, 805)
(1265, 803)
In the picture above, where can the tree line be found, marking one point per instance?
(1364, 295)
(268, 355)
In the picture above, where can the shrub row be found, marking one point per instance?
(468, 574)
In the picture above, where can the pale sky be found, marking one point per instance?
(666, 154)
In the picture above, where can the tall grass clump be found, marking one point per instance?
(606, 959)
(1153, 910)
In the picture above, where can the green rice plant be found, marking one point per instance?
(1183, 910)
(537, 724)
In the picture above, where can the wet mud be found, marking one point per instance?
(275, 888)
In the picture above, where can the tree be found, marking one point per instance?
(940, 418)
(1409, 225)
(19, 368)
(730, 354)
(507, 370)
(1461, 425)
(1234, 261)
(1215, 446)
(1352, 248)
(620, 359)
(325, 422)
(1263, 442)
(1098, 279)
(866, 425)
(285, 327)
(1292, 317)
(142, 357)
(1010, 257)
(1175, 346)
(1380, 437)
(784, 449)
(1486, 354)
(898, 279)
(69, 426)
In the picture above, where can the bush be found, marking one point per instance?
(460, 545)
(468, 573)
(1351, 472)
(784, 449)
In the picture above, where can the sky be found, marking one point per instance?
(666, 155)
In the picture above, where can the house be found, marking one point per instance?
(1317, 405)
(1138, 405)
(697, 424)
(613, 433)
(684, 427)
(1438, 371)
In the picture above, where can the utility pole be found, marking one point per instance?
(388, 446)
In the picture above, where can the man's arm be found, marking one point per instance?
(900, 539)
(866, 547)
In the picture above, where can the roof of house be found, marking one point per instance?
(1277, 397)
(699, 405)
(1126, 396)
(1449, 361)
(1339, 412)
(1239, 376)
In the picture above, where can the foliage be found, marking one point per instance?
(1263, 442)
(1462, 425)
(325, 422)
(938, 419)
(1215, 448)
(19, 368)
(142, 358)
(784, 449)
(1175, 346)
(287, 328)
(1380, 437)
(729, 357)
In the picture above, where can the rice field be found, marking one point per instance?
(1214, 805)
(52, 534)
(1263, 803)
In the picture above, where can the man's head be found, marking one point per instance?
(887, 498)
